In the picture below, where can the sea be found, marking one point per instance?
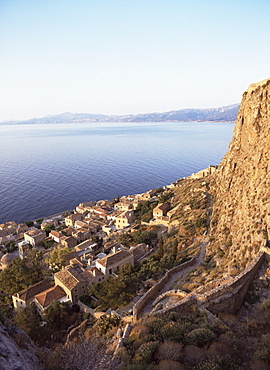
(46, 169)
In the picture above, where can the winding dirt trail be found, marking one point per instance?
(182, 274)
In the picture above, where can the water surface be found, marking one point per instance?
(47, 169)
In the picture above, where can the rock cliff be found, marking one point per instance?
(17, 351)
(241, 185)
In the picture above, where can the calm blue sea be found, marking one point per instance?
(47, 169)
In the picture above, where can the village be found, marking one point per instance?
(81, 247)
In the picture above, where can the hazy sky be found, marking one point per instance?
(129, 56)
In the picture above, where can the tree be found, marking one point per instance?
(39, 221)
(29, 320)
(35, 263)
(57, 258)
(56, 314)
(28, 223)
(47, 244)
(49, 228)
(10, 247)
(165, 196)
(115, 200)
(160, 250)
(126, 239)
(97, 239)
(175, 248)
(146, 236)
(19, 275)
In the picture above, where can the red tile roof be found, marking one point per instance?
(50, 295)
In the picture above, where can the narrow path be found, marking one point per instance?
(170, 284)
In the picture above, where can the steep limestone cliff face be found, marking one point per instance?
(241, 186)
(17, 352)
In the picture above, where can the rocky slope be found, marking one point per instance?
(17, 351)
(241, 186)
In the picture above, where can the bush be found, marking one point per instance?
(106, 323)
(173, 331)
(200, 222)
(266, 304)
(263, 349)
(146, 351)
(219, 363)
(201, 336)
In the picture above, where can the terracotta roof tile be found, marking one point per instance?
(50, 295)
(30, 292)
(111, 259)
(67, 279)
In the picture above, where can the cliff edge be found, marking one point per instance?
(241, 185)
(17, 352)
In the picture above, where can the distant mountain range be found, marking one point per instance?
(222, 114)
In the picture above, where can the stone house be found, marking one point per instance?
(172, 211)
(23, 248)
(68, 241)
(205, 172)
(86, 250)
(46, 223)
(123, 206)
(80, 224)
(111, 263)
(160, 210)
(138, 251)
(70, 220)
(34, 236)
(124, 219)
(82, 234)
(56, 236)
(74, 280)
(45, 298)
(146, 196)
(21, 228)
(108, 229)
(26, 296)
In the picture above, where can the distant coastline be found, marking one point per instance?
(222, 114)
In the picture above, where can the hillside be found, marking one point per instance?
(222, 114)
(241, 185)
(200, 299)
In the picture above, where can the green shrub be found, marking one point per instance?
(106, 323)
(200, 337)
(263, 349)
(146, 351)
(200, 222)
(219, 363)
(173, 331)
(266, 304)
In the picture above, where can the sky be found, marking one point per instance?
(129, 56)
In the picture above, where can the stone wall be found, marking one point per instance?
(152, 292)
(230, 297)
(170, 293)
(85, 308)
(225, 298)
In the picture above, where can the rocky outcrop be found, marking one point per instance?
(17, 352)
(241, 185)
